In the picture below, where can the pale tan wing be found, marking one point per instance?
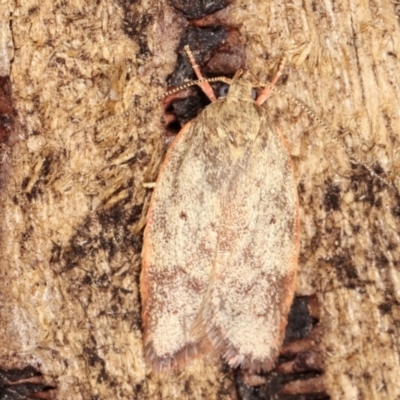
(179, 245)
(245, 310)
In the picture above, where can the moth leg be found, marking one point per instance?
(205, 86)
(266, 92)
(170, 118)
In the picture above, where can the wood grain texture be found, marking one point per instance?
(72, 210)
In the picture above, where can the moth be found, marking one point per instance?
(221, 242)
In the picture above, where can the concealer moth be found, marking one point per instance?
(221, 242)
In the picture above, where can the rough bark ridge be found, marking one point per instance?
(72, 208)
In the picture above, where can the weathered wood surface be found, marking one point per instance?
(72, 204)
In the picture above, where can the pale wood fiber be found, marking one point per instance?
(70, 302)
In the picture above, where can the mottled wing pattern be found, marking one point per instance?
(179, 245)
(244, 313)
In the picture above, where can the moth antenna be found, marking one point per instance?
(353, 158)
(197, 82)
(126, 113)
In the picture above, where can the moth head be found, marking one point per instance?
(242, 86)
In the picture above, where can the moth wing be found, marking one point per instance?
(244, 313)
(179, 244)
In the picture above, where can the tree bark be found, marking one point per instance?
(73, 202)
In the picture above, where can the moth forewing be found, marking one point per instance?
(172, 290)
